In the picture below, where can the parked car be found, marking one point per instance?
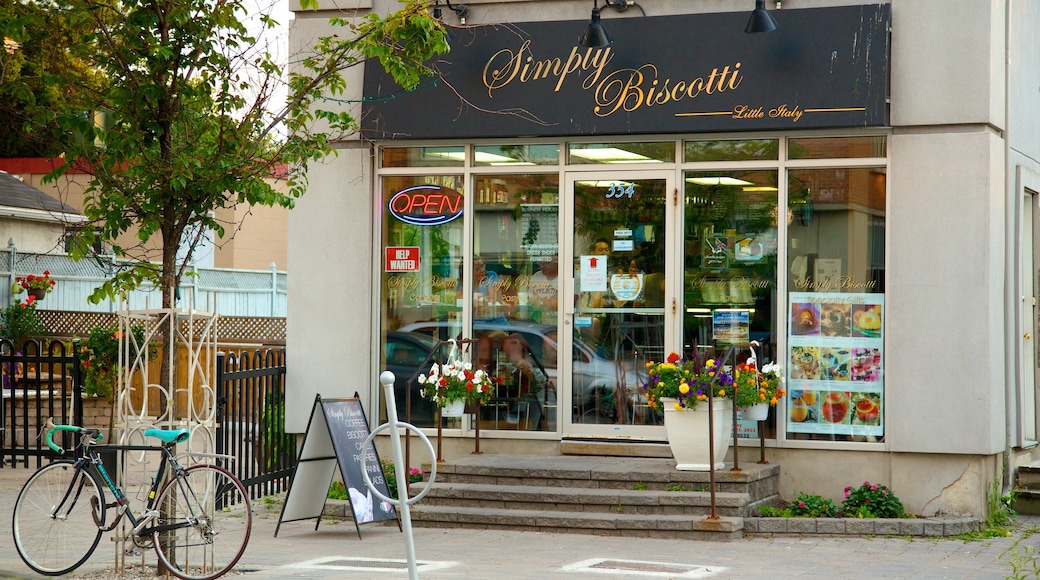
(594, 377)
(405, 353)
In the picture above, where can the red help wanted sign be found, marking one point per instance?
(402, 259)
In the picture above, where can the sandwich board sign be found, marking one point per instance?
(335, 435)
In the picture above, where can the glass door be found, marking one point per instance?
(623, 309)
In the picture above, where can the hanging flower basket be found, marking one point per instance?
(756, 412)
(455, 408)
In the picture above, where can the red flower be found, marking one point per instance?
(673, 358)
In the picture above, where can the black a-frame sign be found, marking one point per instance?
(336, 433)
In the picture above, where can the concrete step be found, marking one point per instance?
(1029, 476)
(602, 495)
(576, 499)
(1027, 502)
(759, 481)
(602, 524)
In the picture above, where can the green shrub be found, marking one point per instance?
(20, 322)
(774, 512)
(337, 491)
(871, 500)
(812, 506)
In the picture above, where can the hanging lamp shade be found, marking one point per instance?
(760, 20)
(595, 35)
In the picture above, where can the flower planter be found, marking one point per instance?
(37, 293)
(688, 433)
(759, 412)
(455, 408)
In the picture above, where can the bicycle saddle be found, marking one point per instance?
(168, 435)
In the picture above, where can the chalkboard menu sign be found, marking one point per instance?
(336, 435)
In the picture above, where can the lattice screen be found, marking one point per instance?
(244, 329)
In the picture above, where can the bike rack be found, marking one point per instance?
(403, 502)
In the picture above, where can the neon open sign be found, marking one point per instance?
(426, 205)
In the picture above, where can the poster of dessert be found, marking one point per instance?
(835, 364)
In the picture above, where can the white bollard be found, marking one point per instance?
(402, 502)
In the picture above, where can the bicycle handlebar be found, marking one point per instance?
(94, 434)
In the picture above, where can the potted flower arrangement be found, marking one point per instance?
(455, 384)
(755, 390)
(99, 355)
(37, 286)
(680, 387)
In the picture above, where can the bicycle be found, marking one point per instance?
(198, 521)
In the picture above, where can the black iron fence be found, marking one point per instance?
(44, 381)
(40, 381)
(251, 419)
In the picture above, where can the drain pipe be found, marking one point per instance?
(402, 502)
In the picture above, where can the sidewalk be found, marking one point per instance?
(335, 551)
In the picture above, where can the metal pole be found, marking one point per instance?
(401, 471)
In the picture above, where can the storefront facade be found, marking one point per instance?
(855, 191)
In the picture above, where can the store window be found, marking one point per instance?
(600, 153)
(730, 266)
(422, 244)
(732, 150)
(515, 297)
(454, 156)
(836, 302)
(510, 155)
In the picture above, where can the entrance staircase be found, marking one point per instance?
(612, 496)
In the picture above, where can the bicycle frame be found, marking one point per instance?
(90, 458)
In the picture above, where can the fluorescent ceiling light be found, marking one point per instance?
(604, 183)
(611, 155)
(717, 181)
(760, 188)
(479, 156)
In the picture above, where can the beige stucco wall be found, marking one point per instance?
(329, 324)
(32, 236)
(945, 318)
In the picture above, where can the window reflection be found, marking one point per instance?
(730, 264)
(412, 293)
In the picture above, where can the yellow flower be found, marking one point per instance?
(722, 392)
(678, 407)
(684, 388)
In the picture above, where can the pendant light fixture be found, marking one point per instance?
(760, 20)
(595, 35)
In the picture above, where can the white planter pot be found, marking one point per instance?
(454, 408)
(688, 433)
(759, 412)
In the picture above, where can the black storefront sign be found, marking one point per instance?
(821, 68)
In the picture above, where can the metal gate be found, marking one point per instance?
(39, 382)
(251, 419)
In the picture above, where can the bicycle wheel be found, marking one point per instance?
(205, 522)
(57, 523)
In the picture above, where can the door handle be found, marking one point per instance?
(1027, 336)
